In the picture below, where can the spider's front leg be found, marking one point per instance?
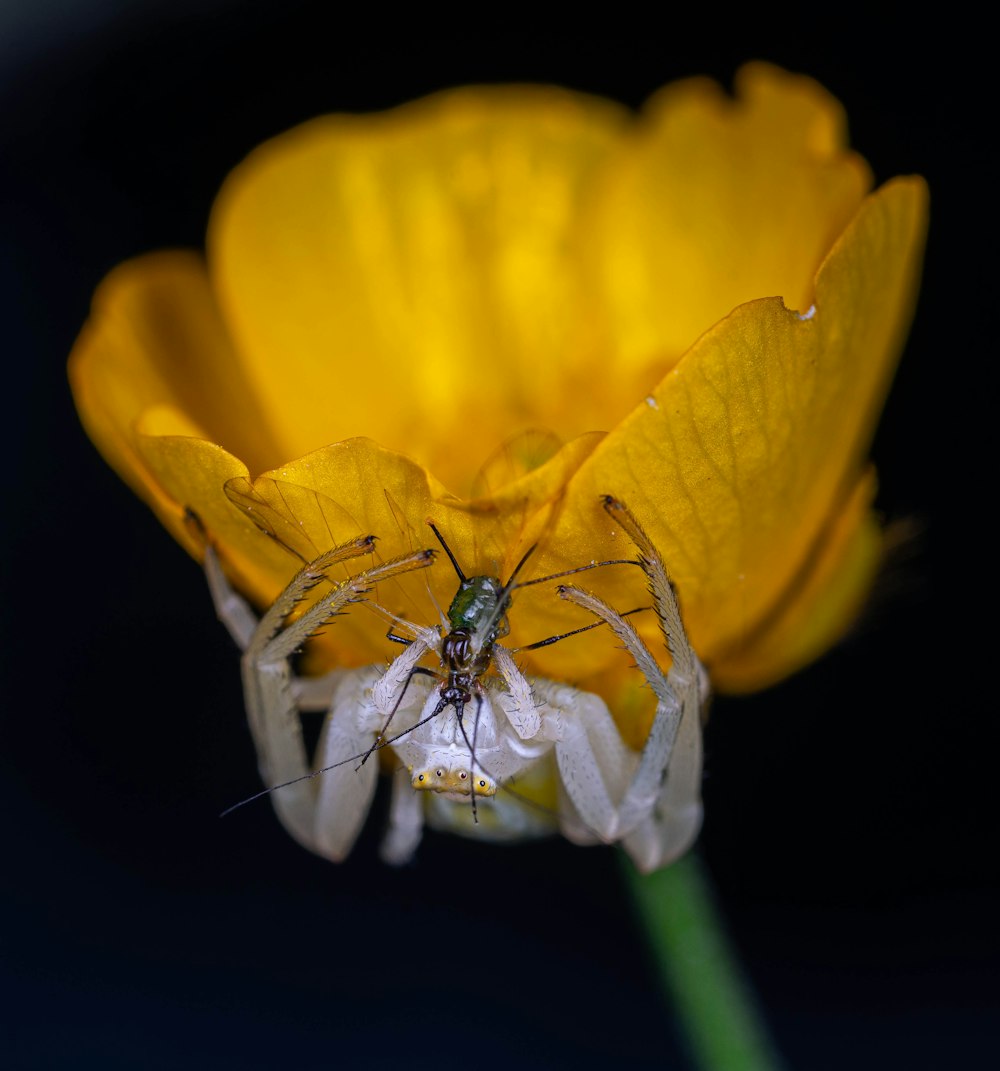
(659, 813)
(390, 718)
(324, 813)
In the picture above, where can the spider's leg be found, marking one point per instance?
(389, 690)
(594, 763)
(315, 694)
(674, 812)
(345, 786)
(231, 608)
(521, 710)
(236, 613)
(678, 813)
(343, 794)
(671, 828)
(406, 821)
(272, 708)
(660, 811)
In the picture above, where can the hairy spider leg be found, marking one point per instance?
(656, 791)
(268, 644)
(660, 812)
(470, 647)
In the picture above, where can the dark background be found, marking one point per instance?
(846, 824)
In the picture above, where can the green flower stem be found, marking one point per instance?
(716, 1010)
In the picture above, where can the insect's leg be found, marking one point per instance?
(406, 821)
(391, 635)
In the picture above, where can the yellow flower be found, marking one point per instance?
(494, 305)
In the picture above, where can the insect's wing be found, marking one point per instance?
(407, 532)
(515, 458)
(304, 522)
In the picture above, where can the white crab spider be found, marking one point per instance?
(524, 727)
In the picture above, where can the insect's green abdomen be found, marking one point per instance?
(475, 602)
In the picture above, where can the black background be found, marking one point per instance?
(846, 827)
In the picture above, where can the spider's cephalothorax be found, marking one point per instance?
(560, 743)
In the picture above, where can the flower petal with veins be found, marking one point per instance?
(489, 308)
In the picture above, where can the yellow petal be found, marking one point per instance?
(447, 275)
(390, 497)
(718, 201)
(819, 607)
(745, 455)
(413, 276)
(345, 490)
(154, 337)
(188, 472)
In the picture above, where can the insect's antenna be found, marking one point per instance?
(503, 597)
(332, 766)
(573, 632)
(380, 740)
(511, 583)
(440, 538)
(285, 784)
(473, 761)
(578, 569)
